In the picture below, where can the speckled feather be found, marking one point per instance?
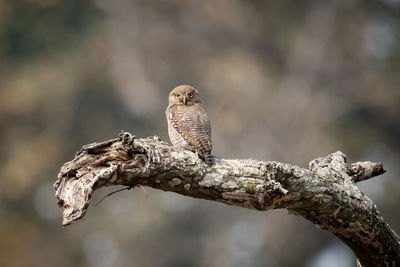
(190, 128)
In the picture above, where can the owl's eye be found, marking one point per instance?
(190, 95)
(178, 96)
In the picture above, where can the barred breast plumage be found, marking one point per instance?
(188, 123)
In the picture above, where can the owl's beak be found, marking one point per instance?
(184, 100)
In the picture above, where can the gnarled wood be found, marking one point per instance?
(325, 194)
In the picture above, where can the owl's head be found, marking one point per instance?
(184, 95)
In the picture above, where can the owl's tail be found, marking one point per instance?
(208, 158)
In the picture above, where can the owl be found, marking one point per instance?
(188, 125)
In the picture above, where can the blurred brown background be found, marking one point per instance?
(280, 80)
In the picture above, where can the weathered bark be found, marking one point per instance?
(326, 194)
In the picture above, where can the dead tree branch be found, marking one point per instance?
(325, 194)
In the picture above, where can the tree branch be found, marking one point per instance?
(326, 194)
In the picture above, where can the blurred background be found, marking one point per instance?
(280, 80)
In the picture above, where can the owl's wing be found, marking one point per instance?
(192, 123)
